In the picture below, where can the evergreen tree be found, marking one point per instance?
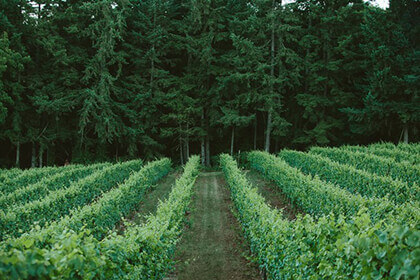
(331, 67)
(99, 111)
(390, 102)
(147, 76)
(16, 112)
(98, 80)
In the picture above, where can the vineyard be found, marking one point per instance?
(351, 212)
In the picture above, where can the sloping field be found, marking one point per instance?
(330, 213)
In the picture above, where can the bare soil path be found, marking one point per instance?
(211, 246)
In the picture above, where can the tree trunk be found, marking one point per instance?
(152, 71)
(406, 134)
(181, 151)
(207, 150)
(326, 55)
(203, 152)
(41, 155)
(326, 47)
(51, 155)
(18, 154)
(152, 64)
(203, 147)
(255, 132)
(187, 142)
(306, 58)
(18, 142)
(187, 147)
(33, 159)
(268, 132)
(184, 150)
(232, 140)
(276, 147)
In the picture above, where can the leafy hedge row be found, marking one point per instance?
(394, 154)
(58, 203)
(156, 240)
(403, 171)
(142, 252)
(29, 176)
(412, 148)
(101, 216)
(330, 248)
(42, 188)
(117, 203)
(9, 174)
(355, 180)
(319, 198)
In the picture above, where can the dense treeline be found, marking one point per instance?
(83, 80)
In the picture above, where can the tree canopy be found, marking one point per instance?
(99, 80)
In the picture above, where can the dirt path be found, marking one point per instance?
(272, 194)
(212, 247)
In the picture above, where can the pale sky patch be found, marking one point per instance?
(380, 3)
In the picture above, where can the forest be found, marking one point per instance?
(85, 81)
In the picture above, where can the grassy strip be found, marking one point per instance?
(330, 248)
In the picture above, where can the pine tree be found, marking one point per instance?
(16, 110)
(99, 113)
(97, 80)
(206, 36)
(390, 100)
(331, 67)
(147, 76)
